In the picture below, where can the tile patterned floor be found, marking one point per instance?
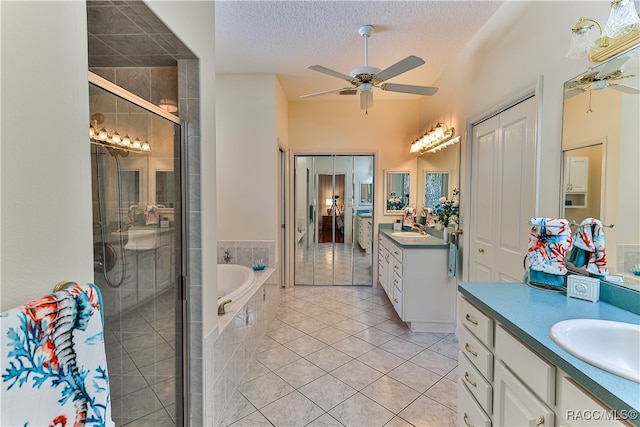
(318, 263)
(340, 356)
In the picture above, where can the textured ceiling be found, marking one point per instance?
(284, 37)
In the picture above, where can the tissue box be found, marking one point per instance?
(582, 287)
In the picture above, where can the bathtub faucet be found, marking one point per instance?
(221, 307)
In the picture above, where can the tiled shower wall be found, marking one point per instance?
(247, 252)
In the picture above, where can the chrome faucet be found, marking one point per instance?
(221, 307)
(420, 228)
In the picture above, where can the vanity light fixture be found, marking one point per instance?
(435, 139)
(621, 32)
(115, 143)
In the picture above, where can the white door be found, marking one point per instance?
(502, 193)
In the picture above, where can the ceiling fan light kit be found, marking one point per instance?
(366, 78)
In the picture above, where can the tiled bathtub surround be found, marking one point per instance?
(229, 348)
(246, 252)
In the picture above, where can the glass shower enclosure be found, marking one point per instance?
(333, 208)
(138, 259)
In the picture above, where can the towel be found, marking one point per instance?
(151, 215)
(53, 361)
(549, 241)
(589, 248)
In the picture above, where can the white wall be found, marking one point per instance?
(46, 176)
(247, 157)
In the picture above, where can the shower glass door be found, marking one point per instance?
(329, 249)
(137, 232)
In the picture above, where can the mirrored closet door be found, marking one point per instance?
(333, 216)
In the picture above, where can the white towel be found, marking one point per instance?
(53, 362)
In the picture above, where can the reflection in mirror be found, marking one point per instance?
(165, 187)
(130, 186)
(436, 185)
(396, 191)
(601, 148)
(366, 193)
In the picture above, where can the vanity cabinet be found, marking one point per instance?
(363, 226)
(503, 382)
(418, 286)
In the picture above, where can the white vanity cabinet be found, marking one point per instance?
(417, 284)
(363, 229)
(503, 382)
(576, 181)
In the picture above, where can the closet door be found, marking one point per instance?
(503, 193)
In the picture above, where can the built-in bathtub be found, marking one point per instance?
(234, 281)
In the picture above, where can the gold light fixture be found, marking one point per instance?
(435, 139)
(621, 32)
(115, 143)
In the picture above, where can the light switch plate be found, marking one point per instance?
(587, 288)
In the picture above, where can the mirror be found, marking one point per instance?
(366, 193)
(396, 191)
(438, 175)
(601, 148)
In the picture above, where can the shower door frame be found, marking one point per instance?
(182, 368)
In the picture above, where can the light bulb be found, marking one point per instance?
(126, 141)
(146, 146)
(438, 131)
(102, 135)
(115, 138)
(137, 144)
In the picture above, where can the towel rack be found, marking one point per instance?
(63, 284)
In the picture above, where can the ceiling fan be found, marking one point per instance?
(608, 76)
(366, 78)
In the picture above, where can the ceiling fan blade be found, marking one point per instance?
(611, 67)
(416, 90)
(408, 63)
(625, 89)
(366, 100)
(325, 70)
(326, 92)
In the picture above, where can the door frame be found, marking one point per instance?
(533, 89)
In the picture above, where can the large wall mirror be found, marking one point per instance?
(601, 158)
(437, 176)
(396, 190)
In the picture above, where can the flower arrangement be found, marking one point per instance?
(447, 209)
(394, 203)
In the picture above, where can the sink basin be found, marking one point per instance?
(409, 234)
(612, 346)
(140, 239)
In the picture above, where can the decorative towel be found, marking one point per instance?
(151, 215)
(549, 241)
(589, 248)
(53, 362)
(453, 260)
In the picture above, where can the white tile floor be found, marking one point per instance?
(332, 263)
(340, 356)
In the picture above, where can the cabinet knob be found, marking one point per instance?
(396, 301)
(396, 252)
(467, 379)
(540, 421)
(466, 420)
(481, 250)
(468, 348)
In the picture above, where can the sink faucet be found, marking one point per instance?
(420, 228)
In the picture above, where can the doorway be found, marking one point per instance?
(333, 220)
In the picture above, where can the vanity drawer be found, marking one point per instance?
(397, 281)
(478, 354)
(476, 321)
(397, 300)
(475, 382)
(397, 267)
(533, 370)
(395, 251)
(469, 412)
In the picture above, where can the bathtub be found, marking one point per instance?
(234, 281)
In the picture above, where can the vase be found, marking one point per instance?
(445, 234)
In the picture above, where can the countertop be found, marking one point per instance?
(505, 302)
(415, 242)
